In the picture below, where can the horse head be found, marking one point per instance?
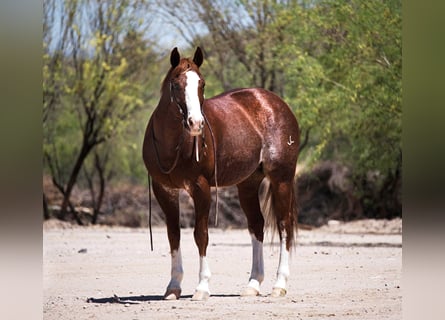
(187, 89)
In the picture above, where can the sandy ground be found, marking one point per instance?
(340, 271)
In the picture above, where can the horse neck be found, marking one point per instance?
(167, 127)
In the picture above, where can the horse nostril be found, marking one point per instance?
(190, 122)
(195, 125)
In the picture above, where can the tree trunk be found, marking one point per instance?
(98, 204)
(84, 151)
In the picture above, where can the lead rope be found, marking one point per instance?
(149, 212)
(178, 149)
(216, 183)
(216, 168)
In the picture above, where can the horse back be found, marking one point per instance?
(260, 105)
(252, 126)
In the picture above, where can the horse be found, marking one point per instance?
(240, 137)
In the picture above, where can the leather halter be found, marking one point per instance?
(181, 140)
(173, 99)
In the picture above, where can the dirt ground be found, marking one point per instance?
(339, 271)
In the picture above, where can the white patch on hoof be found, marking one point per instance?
(172, 294)
(252, 289)
(200, 296)
(254, 284)
(278, 292)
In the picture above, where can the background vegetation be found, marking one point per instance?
(337, 63)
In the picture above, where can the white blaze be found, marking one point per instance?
(191, 97)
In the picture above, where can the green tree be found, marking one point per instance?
(343, 70)
(93, 82)
(343, 63)
(337, 63)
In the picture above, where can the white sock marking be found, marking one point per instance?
(283, 266)
(177, 272)
(257, 273)
(204, 275)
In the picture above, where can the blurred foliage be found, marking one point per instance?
(94, 81)
(337, 63)
(343, 64)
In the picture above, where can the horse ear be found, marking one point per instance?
(174, 57)
(198, 57)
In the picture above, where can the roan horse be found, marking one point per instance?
(236, 138)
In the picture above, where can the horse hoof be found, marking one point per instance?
(278, 292)
(200, 296)
(250, 292)
(172, 294)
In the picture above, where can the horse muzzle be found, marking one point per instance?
(195, 125)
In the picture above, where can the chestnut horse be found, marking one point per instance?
(237, 138)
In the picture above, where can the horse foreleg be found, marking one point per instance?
(202, 291)
(168, 199)
(200, 193)
(173, 291)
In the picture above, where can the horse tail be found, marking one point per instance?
(271, 217)
(270, 222)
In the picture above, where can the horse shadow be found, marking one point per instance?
(129, 299)
(146, 298)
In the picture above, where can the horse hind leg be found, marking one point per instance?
(249, 201)
(284, 210)
(168, 199)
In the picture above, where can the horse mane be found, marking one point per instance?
(165, 82)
